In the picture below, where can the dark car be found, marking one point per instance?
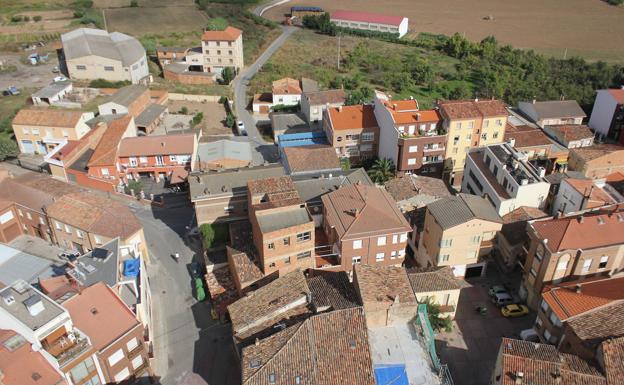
(196, 270)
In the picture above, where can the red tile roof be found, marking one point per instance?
(570, 233)
(228, 34)
(469, 109)
(288, 86)
(352, 117)
(572, 132)
(367, 17)
(47, 117)
(100, 314)
(618, 95)
(24, 366)
(597, 197)
(407, 111)
(613, 356)
(311, 158)
(105, 153)
(599, 150)
(157, 145)
(565, 302)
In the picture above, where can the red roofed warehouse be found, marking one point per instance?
(370, 21)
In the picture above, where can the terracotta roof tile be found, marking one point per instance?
(409, 186)
(525, 136)
(596, 196)
(467, 109)
(326, 349)
(324, 97)
(618, 95)
(358, 210)
(95, 214)
(570, 233)
(105, 153)
(598, 150)
(47, 117)
(572, 132)
(316, 157)
(565, 302)
(157, 145)
(286, 86)
(243, 253)
(380, 286)
(332, 290)
(228, 34)
(221, 288)
(408, 111)
(100, 314)
(435, 279)
(613, 356)
(352, 117)
(600, 324)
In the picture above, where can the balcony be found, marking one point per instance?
(69, 347)
(141, 369)
(428, 150)
(135, 352)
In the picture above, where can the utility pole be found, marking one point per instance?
(565, 54)
(338, 51)
(104, 18)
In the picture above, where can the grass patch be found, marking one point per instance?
(9, 105)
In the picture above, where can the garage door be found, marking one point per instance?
(472, 272)
(27, 147)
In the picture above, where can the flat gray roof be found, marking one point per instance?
(99, 265)
(128, 94)
(205, 184)
(283, 219)
(24, 294)
(312, 186)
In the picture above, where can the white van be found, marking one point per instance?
(502, 299)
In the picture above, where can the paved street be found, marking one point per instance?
(186, 339)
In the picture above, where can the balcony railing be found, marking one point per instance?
(135, 352)
(79, 346)
(433, 149)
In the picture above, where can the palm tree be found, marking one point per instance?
(381, 171)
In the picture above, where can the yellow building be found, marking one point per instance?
(468, 124)
(458, 231)
(38, 131)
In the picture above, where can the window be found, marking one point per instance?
(393, 254)
(286, 241)
(79, 234)
(304, 255)
(381, 241)
(115, 357)
(98, 240)
(603, 261)
(544, 306)
(271, 246)
(68, 229)
(35, 131)
(82, 370)
(4, 218)
(586, 265)
(395, 238)
(468, 137)
(25, 130)
(533, 272)
(356, 260)
(538, 322)
(484, 136)
(272, 264)
(58, 225)
(402, 252)
(562, 265)
(499, 122)
(173, 158)
(486, 123)
(287, 261)
(105, 171)
(109, 68)
(132, 344)
(137, 362)
(471, 124)
(458, 125)
(443, 258)
(143, 159)
(15, 342)
(41, 220)
(379, 257)
(547, 335)
(357, 244)
(132, 161)
(19, 211)
(404, 237)
(476, 239)
(135, 67)
(303, 237)
(446, 242)
(125, 373)
(411, 161)
(471, 255)
(554, 319)
(272, 378)
(454, 150)
(81, 67)
(413, 148)
(495, 135)
(159, 160)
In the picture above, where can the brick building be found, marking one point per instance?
(353, 131)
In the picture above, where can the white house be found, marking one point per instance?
(505, 177)
(286, 91)
(607, 117)
(553, 112)
(582, 194)
(370, 21)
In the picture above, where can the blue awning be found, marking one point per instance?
(131, 267)
(391, 375)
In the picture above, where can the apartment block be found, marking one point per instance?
(39, 131)
(364, 226)
(222, 49)
(458, 231)
(353, 131)
(571, 248)
(505, 177)
(412, 138)
(469, 124)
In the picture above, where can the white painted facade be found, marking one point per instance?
(569, 199)
(401, 29)
(602, 113)
(286, 99)
(388, 133)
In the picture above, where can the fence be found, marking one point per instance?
(194, 98)
(427, 338)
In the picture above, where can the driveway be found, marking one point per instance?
(470, 350)
(27, 76)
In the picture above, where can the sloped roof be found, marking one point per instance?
(358, 210)
(469, 109)
(352, 117)
(326, 349)
(125, 96)
(570, 233)
(95, 214)
(367, 17)
(34, 190)
(332, 290)
(618, 95)
(599, 325)
(105, 153)
(311, 158)
(228, 34)
(554, 109)
(226, 182)
(435, 279)
(157, 145)
(571, 132)
(287, 86)
(83, 42)
(613, 357)
(380, 286)
(47, 117)
(316, 98)
(598, 150)
(452, 211)
(596, 195)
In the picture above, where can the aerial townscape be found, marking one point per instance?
(311, 192)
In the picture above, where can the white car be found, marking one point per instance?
(241, 127)
(60, 79)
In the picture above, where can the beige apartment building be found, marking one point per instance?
(469, 124)
(572, 248)
(353, 131)
(38, 131)
(458, 232)
(223, 49)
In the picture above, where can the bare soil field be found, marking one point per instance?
(155, 20)
(214, 116)
(587, 28)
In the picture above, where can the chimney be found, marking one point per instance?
(394, 106)
(578, 288)
(534, 101)
(162, 144)
(257, 343)
(476, 100)
(339, 108)
(519, 377)
(581, 219)
(418, 116)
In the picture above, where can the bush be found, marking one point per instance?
(134, 186)
(285, 108)
(134, 3)
(438, 323)
(230, 120)
(26, 18)
(223, 100)
(197, 119)
(78, 14)
(184, 110)
(227, 75)
(82, 4)
(213, 235)
(217, 24)
(8, 148)
(16, 18)
(615, 2)
(37, 18)
(103, 83)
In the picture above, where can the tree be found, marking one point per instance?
(197, 119)
(134, 186)
(184, 110)
(37, 18)
(227, 75)
(208, 235)
(8, 148)
(382, 170)
(230, 120)
(436, 320)
(345, 164)
(134, 3)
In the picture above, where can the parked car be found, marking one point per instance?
(241, 128)
(514, 310)
(196, 270)
(60, 79)
(11, 91)
(496, 289)
(56, 70)
(529, 335)
(502, 299)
